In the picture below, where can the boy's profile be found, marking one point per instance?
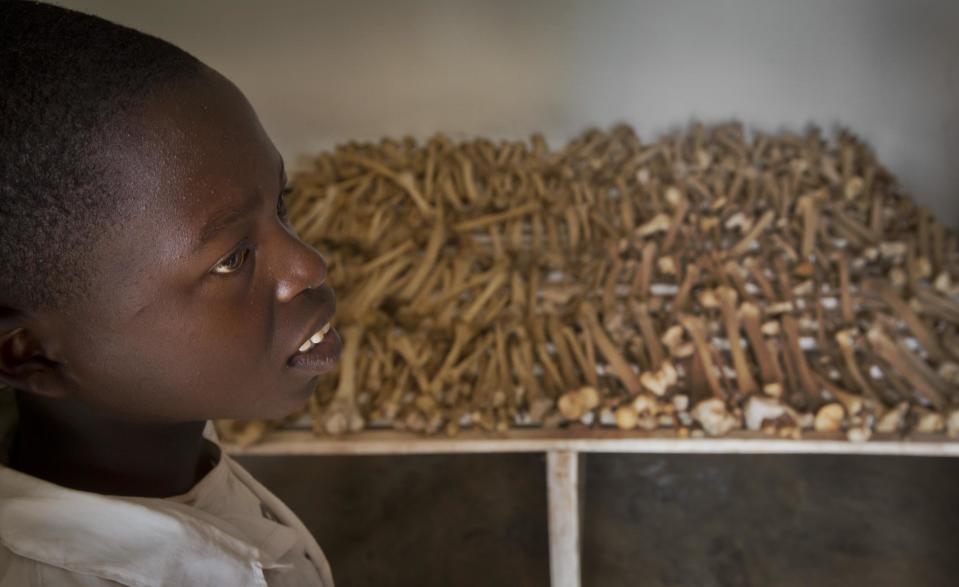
(149, 282)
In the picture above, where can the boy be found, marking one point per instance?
(149, 282)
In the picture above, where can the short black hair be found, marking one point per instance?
(65, 76)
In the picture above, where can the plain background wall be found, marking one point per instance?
(320, 72)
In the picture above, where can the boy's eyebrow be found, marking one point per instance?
(225, 217)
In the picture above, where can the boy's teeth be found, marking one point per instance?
(317, 338)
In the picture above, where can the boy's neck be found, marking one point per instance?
(67, 444)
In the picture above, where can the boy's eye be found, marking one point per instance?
(281, 210)
(233, 263)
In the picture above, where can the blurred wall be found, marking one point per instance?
(321, 72)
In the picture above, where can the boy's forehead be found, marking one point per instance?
(202, 129)
(190, 151)
(192, 148)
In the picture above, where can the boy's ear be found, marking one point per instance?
(23, 364)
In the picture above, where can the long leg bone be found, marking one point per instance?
(617, 363)
(769, 369)
(744, 377)
(342, 415)
(913, 369)
(697, 332)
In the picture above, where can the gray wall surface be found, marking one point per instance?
(320, 72)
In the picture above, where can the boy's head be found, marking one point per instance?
(148, 270)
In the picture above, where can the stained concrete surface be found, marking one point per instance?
(650, 520)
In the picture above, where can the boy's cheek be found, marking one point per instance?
(247, 384)
(221, 368)
(164, 388)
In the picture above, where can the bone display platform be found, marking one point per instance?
(778, 289)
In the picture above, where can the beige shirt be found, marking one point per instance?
(227, 530)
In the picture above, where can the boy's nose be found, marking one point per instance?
(301, 268)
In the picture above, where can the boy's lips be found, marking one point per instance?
(320, 329)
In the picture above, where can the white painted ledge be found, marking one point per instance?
(390, 442)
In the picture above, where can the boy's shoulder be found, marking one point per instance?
(20, 571)
(49, 532)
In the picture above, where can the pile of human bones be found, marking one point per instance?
(710, 281)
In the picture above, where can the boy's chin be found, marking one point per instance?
(287, 404)
(279, 405)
